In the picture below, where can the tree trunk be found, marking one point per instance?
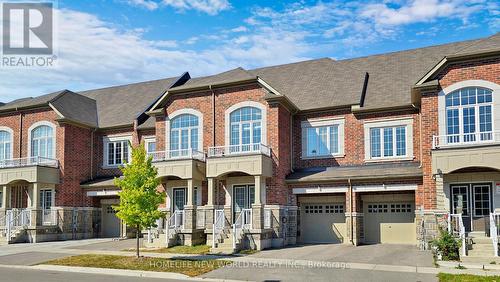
(137, 241)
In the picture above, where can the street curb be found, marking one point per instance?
(116, 272)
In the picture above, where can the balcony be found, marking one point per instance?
(251, 159)
(457, 151)
(32, 169)
(183, 164)
(465, 139)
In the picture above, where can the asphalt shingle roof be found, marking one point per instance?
(361, 172)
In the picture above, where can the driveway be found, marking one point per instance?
(373, 254)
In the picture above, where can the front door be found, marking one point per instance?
(46, 205)
(481, 195)
(475, 202)
(180, 198)
(243, 197)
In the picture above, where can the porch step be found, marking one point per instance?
(481, 240)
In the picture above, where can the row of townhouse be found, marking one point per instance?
(375, 149)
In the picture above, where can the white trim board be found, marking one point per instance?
(384, 187)
(102, 193)
(320, 190)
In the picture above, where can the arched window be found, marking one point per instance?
(184, 134)
(245, 129)
(5, 145)
(42, 142)
(469, 115)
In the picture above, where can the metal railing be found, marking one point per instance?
(243, 221)
(494, 224)
(31, 161)
(476, 138)
(242, 149)
(268, 218)
(174, 224)
(187, 154)
(218, 226)
(16, 219)
(49, 217)
(456, 228)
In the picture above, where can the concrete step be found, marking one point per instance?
(481, 260)
(482, 240)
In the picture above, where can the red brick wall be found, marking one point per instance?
(72, 151)
(479, 70)
(354, 147)
(278, 128)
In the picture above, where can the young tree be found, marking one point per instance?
(139, 197)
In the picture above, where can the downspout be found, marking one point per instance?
(291, 142)
(420, 138)
(92, 154)
(350, 209)
(21, 115)
(213, 115)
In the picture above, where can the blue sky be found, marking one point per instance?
(104, 43)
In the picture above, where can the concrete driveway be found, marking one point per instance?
(373, 254)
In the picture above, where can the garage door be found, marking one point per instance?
(322, 223)
(110, 222)
(392, 223)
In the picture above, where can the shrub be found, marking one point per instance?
(447, 245)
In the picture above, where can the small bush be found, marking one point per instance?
(447, 246)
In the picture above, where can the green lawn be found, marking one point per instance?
(192, 250)
(188, 267)
(445, 277)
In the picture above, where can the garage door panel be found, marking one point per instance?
(323, 223)
(110, 222)
(392, 223)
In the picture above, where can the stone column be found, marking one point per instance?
(190, 192)
(354, 218)
(5, 205)
(211, 192)
(260, 190)
(35, 205)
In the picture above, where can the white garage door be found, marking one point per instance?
(110, 222)
(392, 223)
(323, 223)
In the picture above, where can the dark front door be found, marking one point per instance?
(474, 201)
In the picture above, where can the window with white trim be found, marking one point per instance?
(245, 128)
(150, 145)
(322, 138)
(469, 115)
(388, 142)
(117, 151)
(5, 145)
(389, 139)
(42, 142)
(184, 134)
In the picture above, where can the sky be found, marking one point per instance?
(104, 43)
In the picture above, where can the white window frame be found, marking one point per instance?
(263, 121)
(318, 123)
(399, 122)
(113, 139)
(11, 141)
(54, 141)
(495, 104)
(177, 113)
(147, 141)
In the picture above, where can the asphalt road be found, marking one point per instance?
(316, 275)
(28, 275)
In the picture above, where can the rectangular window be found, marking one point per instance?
(118, 153)
(150, 146)
(388, 142)
(322, 141)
